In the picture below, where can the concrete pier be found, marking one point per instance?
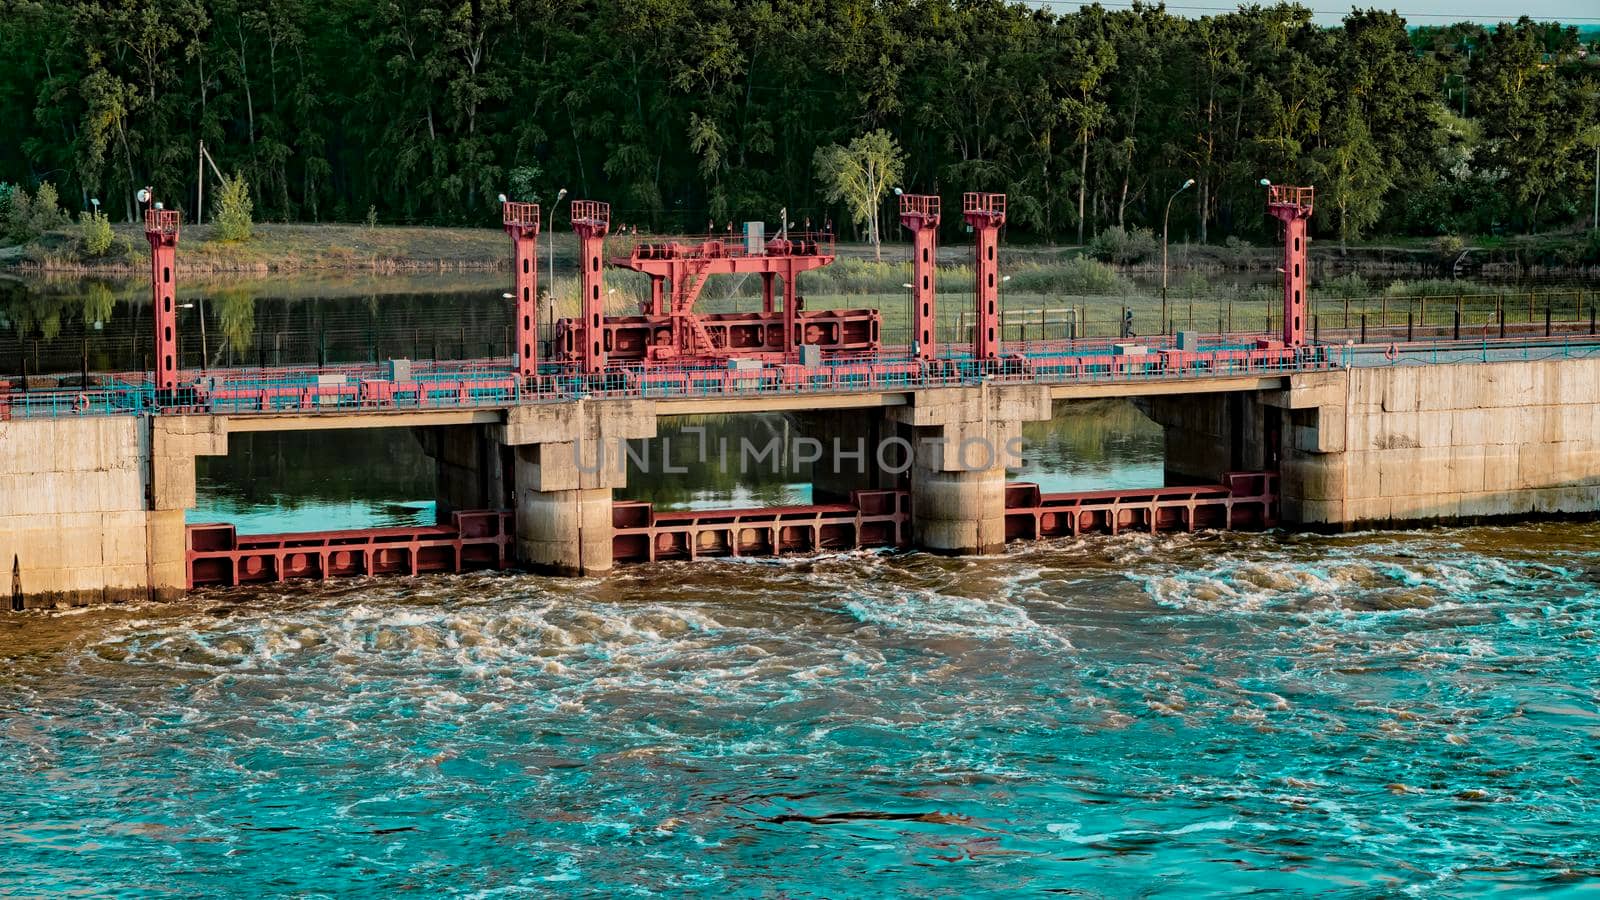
(568, 460)
(91, 509)
(962, 439)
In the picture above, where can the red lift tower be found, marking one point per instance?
(161, 230)
(920, 214)
(522, 223)
(1292, 205)
(986, 213)
(591, 220)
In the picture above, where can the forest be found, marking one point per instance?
(684, 113)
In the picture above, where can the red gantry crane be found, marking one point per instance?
(669, 329)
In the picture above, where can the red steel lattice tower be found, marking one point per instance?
(920, 213)
(522, 223)
(591, 220)
(986, 213)
(1292, 205)
(161, 229)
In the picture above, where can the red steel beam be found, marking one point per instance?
(161, 230)
(522, 223)
(986, 213)
(920, 214)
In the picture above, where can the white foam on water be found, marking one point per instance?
(931, 613)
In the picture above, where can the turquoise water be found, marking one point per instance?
(1368, 715)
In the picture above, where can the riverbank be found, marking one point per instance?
(280, 248)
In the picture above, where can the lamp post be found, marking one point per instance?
(1164, 219)
(550, 231)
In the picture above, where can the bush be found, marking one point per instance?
(1351, 285)
(1115, 245)
(233, 210)
(16, 216)
(1437, 287)
(1449, 245)
(1074, 276)
(98, 238)
(47, 212)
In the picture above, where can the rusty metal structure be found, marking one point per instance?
(919, 214)
(1292, 206)
(521, 221)
(161, 230)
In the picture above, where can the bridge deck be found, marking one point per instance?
(470, 391)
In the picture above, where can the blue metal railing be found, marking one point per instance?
(494, 383)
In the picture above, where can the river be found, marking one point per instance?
(1375, 714)
(1364, 715)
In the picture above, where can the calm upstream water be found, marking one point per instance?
(1368, 715)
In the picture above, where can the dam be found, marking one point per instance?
(1293, 428)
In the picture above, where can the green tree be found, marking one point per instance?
(98, 237)
(1531, 118)
(1352, 176)
(860, 176)
(233, 210)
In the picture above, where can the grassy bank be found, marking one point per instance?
(277, 248)
(358, 248)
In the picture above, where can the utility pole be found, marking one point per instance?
(200, 185)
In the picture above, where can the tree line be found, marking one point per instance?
(684, 113)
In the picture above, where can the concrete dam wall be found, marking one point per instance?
(1411, 444)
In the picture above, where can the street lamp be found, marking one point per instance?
(1164, 220)
(550, 237)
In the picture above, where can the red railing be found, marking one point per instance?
(514, 213)
(1286, 195)
(216, 555)
(492, 383)
(161, 221)
(594, 213)
(870, 519)
(731, 245)
(925, 206)
(1244, 500)
(979, 203)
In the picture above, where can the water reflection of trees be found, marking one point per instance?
(243, 325)
(236, 314)
(289, 468)
(709, 477)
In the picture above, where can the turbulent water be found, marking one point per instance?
(1363, 715)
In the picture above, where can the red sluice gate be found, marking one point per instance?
(1245, 500)
(870, 519)
(472, 540)
(217, 556)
